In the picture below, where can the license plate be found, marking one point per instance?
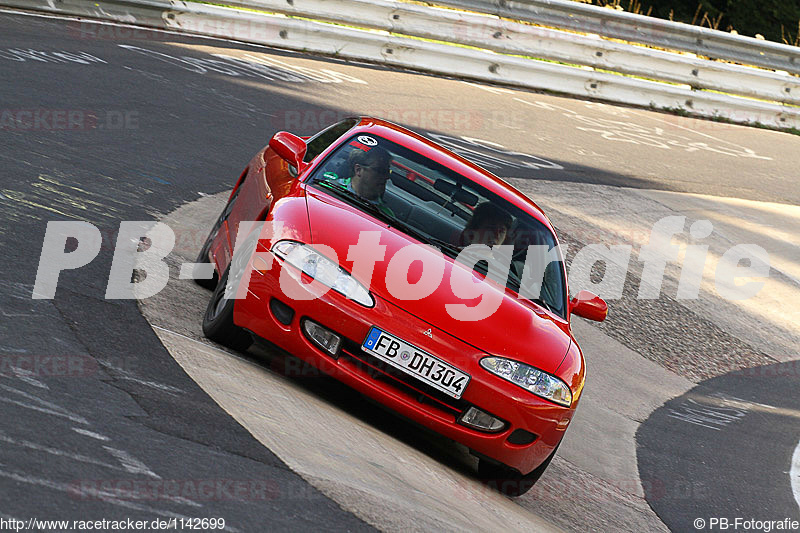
(413, 361)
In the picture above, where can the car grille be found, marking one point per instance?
(411, 386)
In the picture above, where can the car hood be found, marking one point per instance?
(518, 329)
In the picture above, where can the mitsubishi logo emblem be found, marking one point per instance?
(428, 332)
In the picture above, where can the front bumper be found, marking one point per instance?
(394, 389)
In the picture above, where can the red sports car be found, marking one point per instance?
(412, 275)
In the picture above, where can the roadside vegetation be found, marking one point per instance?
(773, 20)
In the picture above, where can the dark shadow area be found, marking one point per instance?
(724, 449)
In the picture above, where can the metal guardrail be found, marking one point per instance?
(509, 37)
(481, 64)
(631, 27)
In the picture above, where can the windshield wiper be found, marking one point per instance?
(450, 247)
(543, 304)
(368, 206)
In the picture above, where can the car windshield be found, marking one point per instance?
(438, 206)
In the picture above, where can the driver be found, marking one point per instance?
(369, 172)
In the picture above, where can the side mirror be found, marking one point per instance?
(290, 148)
(589, 306)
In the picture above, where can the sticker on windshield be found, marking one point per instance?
(367, 140)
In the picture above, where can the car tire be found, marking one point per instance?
(202, 258)
(509, 481)
(218, 320)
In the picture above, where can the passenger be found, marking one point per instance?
(489, 225)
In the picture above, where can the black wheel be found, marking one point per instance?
(218, 321)
(509, 481)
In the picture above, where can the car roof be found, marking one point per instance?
(451, 160)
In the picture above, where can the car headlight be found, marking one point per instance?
(529, 378)
(312, 263)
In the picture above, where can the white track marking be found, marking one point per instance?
(794, 474)
(128, 376)
(49, 408)
(79, 420)
(79, 492)
(625, 130)
(26, 376)
(488, 88)
(59, 453)
(91, 434)
(696, 132)
(131, 463)
(266, 48)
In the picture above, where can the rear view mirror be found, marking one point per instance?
(589, 306)
(290, 148)
(455, 192)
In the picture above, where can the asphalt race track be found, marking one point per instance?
(691, 410)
